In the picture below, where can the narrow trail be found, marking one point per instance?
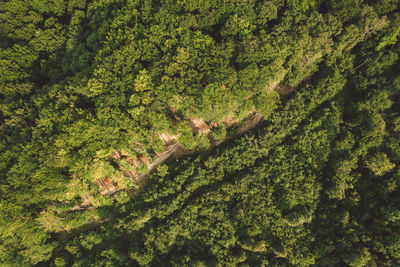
(160, 159)
(177, 150)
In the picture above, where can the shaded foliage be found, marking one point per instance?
(88, 87)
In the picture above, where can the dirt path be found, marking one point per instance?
(160, 159)
(177, 150)
(251, 122)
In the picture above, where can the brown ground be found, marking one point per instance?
(199, 124)
(283, 89)
(228, 121)
(106, 186)
(249, 123)
(167, 138)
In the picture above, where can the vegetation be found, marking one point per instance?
(93, 93)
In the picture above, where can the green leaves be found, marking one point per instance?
(266, 103)
(379, 164)
(216, 102)
(390, 35)
(88, 88)
(143, 82)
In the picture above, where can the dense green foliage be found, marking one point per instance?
(318, 182)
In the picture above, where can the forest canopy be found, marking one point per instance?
(199, 133)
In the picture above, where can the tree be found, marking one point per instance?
(379, 164)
